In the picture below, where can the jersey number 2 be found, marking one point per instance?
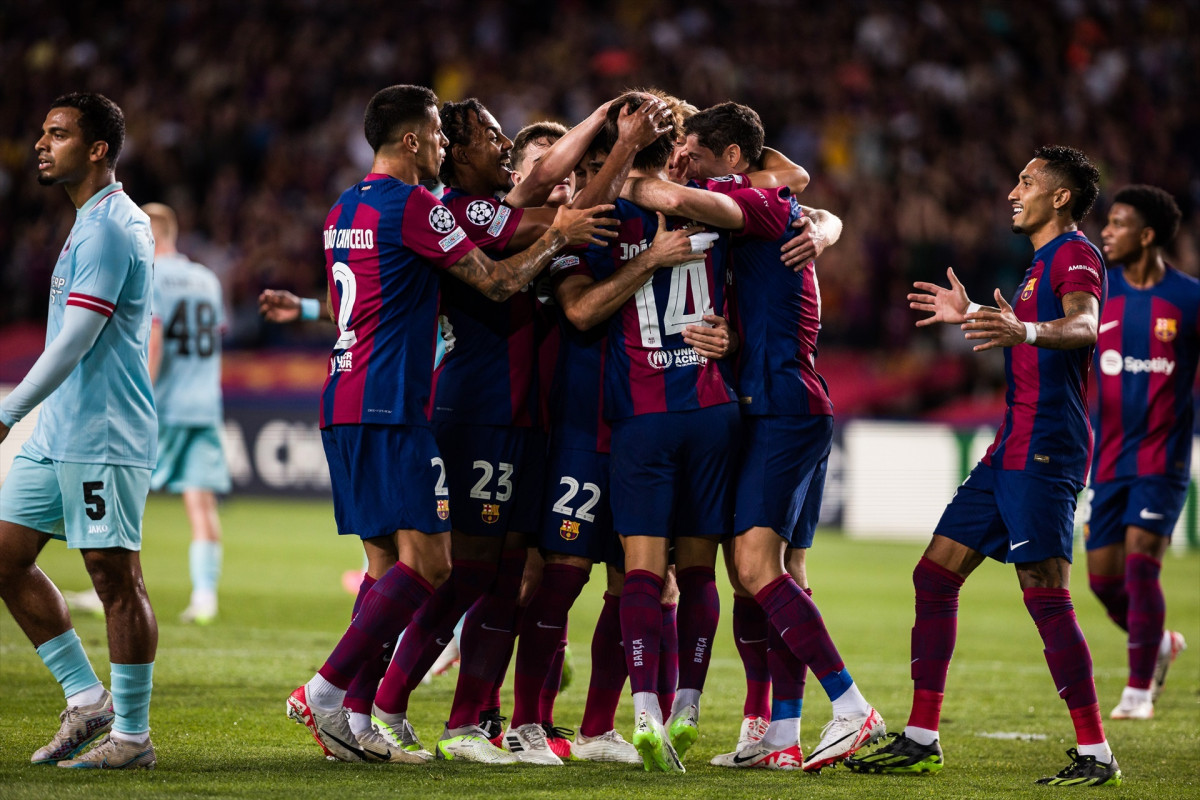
(347, 289)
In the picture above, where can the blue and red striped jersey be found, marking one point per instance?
(1046, 427)
(777, 315)
(648, 367)
(487, 375)
(1146, 363)
(383, 240)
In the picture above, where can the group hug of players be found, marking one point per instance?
(599, 345)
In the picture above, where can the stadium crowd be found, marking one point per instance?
(909, 120)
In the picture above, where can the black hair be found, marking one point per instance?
(654, 155)
(100, 119)
(392, 109)
(1156, 207)
(1075, 172)
(458, 128)
(729, 123)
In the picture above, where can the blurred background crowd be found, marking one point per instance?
(913, 118)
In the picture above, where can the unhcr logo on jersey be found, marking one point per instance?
(683, 357)
(342, 362)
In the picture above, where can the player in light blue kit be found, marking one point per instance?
(84, 474)
(185, 363)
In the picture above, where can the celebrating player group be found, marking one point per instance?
(598, 345)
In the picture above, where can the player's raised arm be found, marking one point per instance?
(557, 162)
(636, 129)
(777, 170)
(587, 302)
(500, 280)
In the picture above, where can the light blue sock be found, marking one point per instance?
(68, 663)
(131, 685)
(204, 560)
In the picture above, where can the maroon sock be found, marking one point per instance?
(553, 682)
(787, 674)
(668, 657)
(385, 611)
(363, 587)
(698, 614)
(361, 693)
(487, 639)
(1110, 589)
(609, 671)
(641, 628)
(750, 634)
(1069, 659)
(431, 630)
(542, 632)
(1147, 613)
(934, 634)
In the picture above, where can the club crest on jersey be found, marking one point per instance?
(490, 513)
(443, 509)
(1165, 329)
(441, 219)
(569, 530)
(1027, 292)
(480, 212)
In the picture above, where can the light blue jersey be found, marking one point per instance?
(103, 413)
(187, 302)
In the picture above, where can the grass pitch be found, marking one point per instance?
(218, 710)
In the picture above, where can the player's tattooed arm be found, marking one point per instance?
(1000, 327)
(500, 280)
(777, 170)
(587, 303)
(818, 229)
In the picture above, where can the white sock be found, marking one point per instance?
(782, 733)
(1135, 695)
(1101, 752)
(324, 695)
(359, 723)
(685, 698)
(648, 702)
(135, 738)
(391, 720)
(851, 703)
(921, 735)
(88, 697)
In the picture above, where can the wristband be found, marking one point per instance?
(1030, 333)
(973, 307)
(310, 308)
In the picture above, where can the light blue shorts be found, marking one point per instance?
(190, 457)
(91, 506)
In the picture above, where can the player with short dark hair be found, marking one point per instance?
(385, 240)
(787, 433)
(1018, 504)
(84, 474)
(1145, 365)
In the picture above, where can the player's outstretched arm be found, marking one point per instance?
(942, 304)
(1078, 327)
(818, 229)
(714, 339)
(710, 208)
(80, 329)
(279, 305)
(778, 170)
(557, 162)
(500, 280)
(587, 302)
(636, 129)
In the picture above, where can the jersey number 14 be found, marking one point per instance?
(690, 278)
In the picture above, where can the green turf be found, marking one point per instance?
(220, 731)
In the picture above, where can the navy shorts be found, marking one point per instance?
(1012, 516)
(576, 515)
(386, 477)
(1153, 502)
(486, 469)
(782, 476)
(672, 473)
